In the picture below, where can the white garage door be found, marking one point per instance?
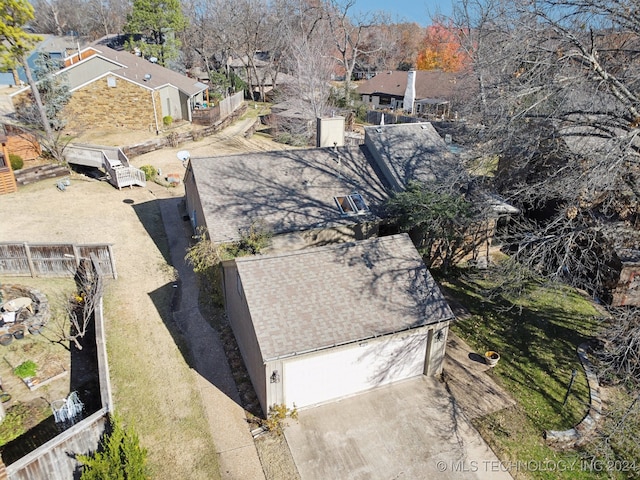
(339, 372)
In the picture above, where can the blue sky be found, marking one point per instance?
(418, 11)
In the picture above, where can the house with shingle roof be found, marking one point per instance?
(117, 88)
(434, 90)
(303, 196)
(323, 323)
(317, 196)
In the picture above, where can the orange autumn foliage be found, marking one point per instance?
(441, 50)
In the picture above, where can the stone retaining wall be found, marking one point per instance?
(177, 138)
(581, 433)
(35, 174)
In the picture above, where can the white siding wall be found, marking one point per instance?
(437, 350)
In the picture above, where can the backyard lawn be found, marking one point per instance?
(536, 336)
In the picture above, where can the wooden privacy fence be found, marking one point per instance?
(209, 116)
(53, 259)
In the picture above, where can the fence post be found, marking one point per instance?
(76, 254)
(112, 258)
(27, 252)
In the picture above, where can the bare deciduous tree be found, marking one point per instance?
(559, 108)
(81, 309)
(620, 357)
(348, 33)
(85, 18)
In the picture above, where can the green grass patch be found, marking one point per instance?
(255, 109)
(536, 336)
(483, 166)
(20, 418)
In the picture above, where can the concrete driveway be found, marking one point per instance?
(409, 430)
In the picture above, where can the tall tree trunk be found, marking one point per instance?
(36, 98)
(16, 77)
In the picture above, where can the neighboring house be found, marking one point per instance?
(327, 322)
(304, 197)
(113, 88)
(52, 47)
(264, 74)
(423, 92)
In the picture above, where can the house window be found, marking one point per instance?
(111, 82)
(351, 204)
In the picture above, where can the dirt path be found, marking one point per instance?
(156, 384)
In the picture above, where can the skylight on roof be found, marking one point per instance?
(352, 204)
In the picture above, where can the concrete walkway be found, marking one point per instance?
(236, 450)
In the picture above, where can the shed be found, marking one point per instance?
(324, 323)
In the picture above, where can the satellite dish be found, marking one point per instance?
(147, 77)
(153, 59)
(183, 155)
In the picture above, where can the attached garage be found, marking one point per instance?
(340, 372)
(324, 323)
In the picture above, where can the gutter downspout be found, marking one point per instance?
(155, 112)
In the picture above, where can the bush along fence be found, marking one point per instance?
(56, 459)
(53, 259)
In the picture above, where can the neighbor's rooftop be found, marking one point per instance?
(286, 190)
(326, 296)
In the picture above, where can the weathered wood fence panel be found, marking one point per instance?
(55, 460)
(52, 260)
(230, 104)
(206, 116)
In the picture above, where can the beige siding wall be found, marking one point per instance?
(275, 392)
(125, 105)
(170, 101)
(242, 325)
(436, 349)
(85, 72)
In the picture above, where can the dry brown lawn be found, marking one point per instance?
(154, 388)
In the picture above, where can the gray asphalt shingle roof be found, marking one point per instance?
(287, 190)
(325, 296)
(135, 68)
(411, 151)
(434, 84)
